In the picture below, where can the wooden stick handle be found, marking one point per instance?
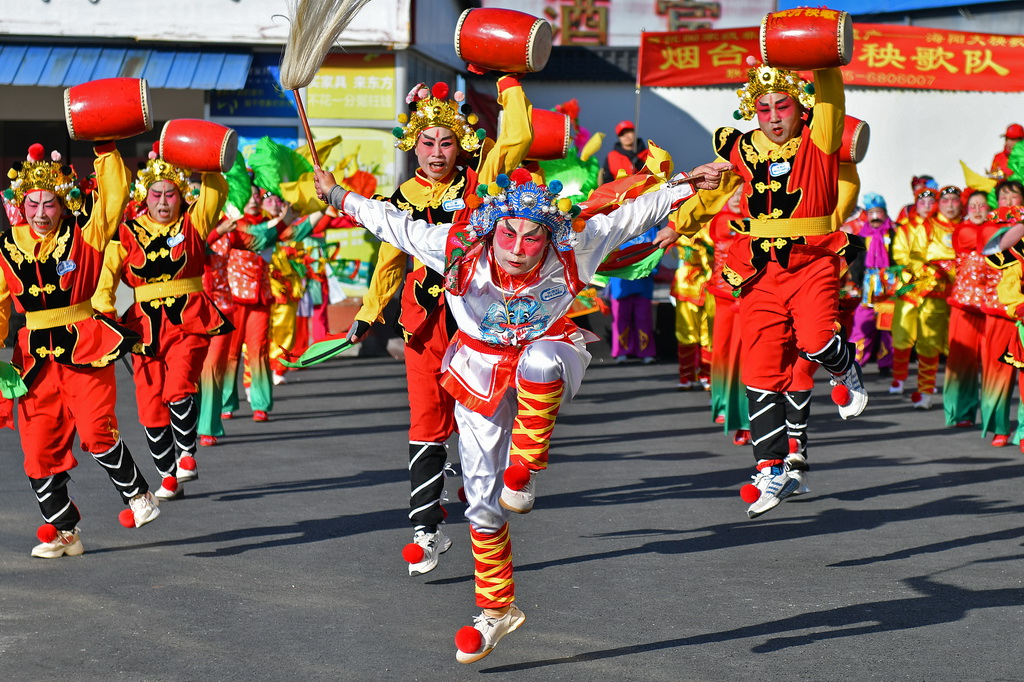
(693, 178)
(305, 127)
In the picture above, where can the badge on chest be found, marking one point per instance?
(779, 168)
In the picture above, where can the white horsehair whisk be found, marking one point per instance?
(315, 27)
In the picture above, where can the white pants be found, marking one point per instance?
(484, 442)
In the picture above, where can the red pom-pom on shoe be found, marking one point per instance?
(915, 397)
(840, 394)
(188, 463)
(750, 493)
(46, 532)
(36, 152)
(440, 90)
(468, 640)
(169, 483)
(895, 383)
(127, 518)
(444, 512)
(462, 494)
(412, 553)
(517, 476)
(521, 175)
(794, 446)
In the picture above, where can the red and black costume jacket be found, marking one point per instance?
(790, 191)
(164, 266)
(52, 279)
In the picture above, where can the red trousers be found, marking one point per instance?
(61, 401)
(784, 311)
(431, 408)
(170, 376)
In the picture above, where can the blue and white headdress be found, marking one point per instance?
(519, 197)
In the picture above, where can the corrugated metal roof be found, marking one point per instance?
(66, 65)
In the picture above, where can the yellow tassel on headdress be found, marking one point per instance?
(764, 79)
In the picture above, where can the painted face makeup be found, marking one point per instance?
(778, 117)
(925, 206)
(42, 210)
(951, 208)
(163, 201)
(519, 245)
(436, 152)
(977, 209)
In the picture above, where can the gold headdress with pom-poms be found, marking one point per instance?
(430, 109)
(155, 170)
(764, 79)
(52, 176)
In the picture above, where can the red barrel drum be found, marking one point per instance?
(107, 109)
(198, 145)
(552, 134)
(503, 40)
(856, 134)
(807, 38)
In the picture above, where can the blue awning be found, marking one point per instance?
(66, 65)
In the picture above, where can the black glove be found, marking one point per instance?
(358, 331)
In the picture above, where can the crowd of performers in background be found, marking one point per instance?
(229, 277)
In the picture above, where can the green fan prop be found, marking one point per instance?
(239, 184)
(578, 178)
(11, 385)
(319, 352)
(633, 262)
(272, 163)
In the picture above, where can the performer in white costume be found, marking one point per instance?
(510, 275)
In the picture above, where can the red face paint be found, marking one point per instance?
(778, 117)
(519, 245)
(436, 152)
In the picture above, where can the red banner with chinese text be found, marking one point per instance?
(884, 55)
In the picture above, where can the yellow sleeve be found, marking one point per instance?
(515, 137)
(1008, 288)
(5, 309)
(111, 196)
(849, 192)
(704, 205)
(387, 277)
(205, 213)
(110, 276)
(829, 110)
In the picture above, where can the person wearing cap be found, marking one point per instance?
(50, 265)
(160, 253)
(786, 265)
(923, 246)
(511, 273)
(628, 155)
(961, 389)
(1001, 161)
(452, 158)
(872, 321)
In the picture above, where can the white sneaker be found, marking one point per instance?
(67, 542)
(774, 485)
(805, 484)
(169, 489)
(520, 501)
(896, 388)
(188, 470)
(434, 545)
(278, 378)
(858, 397)
(491, 631)
(247, 393)
(144, 508)
(924, 402)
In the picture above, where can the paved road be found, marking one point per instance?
(638, 562)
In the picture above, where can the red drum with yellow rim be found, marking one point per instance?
(198, 145)
(856, 134)
(552, 135)
(503, 40)
(807, 39)
(107, 109)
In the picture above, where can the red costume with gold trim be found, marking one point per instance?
(65, 351)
